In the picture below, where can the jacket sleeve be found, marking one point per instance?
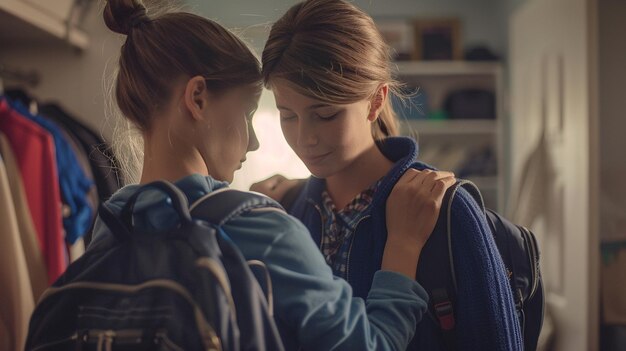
(486, 316)
(316, 308)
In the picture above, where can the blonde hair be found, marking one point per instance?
(156, 52)
(333, 52)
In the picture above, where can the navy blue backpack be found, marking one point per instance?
(520, 254)
(188, 288)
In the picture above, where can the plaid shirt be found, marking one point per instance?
(339, 227)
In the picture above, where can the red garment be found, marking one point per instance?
(34, 150)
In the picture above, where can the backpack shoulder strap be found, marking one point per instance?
(220, 206)
(473, 190)
(441, 283)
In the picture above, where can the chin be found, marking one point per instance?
(320, 172)
(224, 177)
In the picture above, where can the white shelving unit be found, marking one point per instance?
(453, 127)
(38, 21)
(449, 143)
(447, 68)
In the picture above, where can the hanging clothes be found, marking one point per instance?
(102, 162)
(73, 183)
(83, 160)
(17, 303)
(30, 244)
(104, 166)
(34, 151)
(77, 249)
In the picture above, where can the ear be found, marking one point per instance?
(196, 97)
(378, 102)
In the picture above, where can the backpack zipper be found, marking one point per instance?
(209, 337)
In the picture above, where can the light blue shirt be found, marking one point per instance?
(313, 309)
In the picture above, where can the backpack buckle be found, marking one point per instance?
(445, 315)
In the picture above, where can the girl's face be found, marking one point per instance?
(229, 132)
(327, 138)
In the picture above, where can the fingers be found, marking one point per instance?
(441, 186)
(409, 176)
(269, 185)
(426, 179)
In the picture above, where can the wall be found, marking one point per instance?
(75, 79)
(612, 75)
(479, 17)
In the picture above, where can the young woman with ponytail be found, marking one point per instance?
(330, 72)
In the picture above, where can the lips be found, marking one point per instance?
(314, 159)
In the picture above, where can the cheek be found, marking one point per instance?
(349, 137)
(290, 132)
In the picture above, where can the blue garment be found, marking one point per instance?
(73, 182)
(485, 313)
(312, 308)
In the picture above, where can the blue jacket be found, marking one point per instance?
(312, 308)
(485, 313)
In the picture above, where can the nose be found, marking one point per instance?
(307, 134)
(253, 142)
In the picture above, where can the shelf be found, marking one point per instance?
(446, 68)
(451, 127)
(22, 22)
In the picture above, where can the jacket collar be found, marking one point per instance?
(402, 151)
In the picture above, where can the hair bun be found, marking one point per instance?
(122, 15)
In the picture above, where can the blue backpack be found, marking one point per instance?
(518, 249)
(520, 254)
(188, 288)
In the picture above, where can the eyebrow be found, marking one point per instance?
(314, 106)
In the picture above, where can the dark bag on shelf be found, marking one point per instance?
(470, 104)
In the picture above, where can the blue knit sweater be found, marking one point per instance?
(485, 313)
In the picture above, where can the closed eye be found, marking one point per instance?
(287, 118)
(328, 117)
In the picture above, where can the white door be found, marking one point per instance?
(552, 86)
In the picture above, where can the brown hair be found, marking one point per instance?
(161, 49)
(333, 52)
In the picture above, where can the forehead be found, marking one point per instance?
(287, 93)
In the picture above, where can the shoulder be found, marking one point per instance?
(266, 226)
(465, 212)
(463, 201)
(278, 239)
